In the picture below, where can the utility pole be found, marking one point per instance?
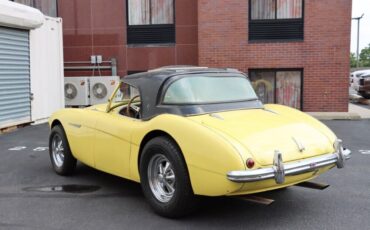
(358, 39)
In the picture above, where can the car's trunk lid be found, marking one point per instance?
(263, 132)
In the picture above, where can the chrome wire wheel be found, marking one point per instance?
(161, 178)
(57, 150)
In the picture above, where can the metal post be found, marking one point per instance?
(358, 40)
(114, 66)
(358, 44)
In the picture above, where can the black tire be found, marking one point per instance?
(68, 165)
(183, 200)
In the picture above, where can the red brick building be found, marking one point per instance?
(296, 52)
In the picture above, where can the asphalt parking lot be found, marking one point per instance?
(27, 199)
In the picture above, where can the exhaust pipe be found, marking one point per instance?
(313, 185)
(256, 199)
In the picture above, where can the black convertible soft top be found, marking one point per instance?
(151, 84)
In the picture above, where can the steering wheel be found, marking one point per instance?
(133, 107)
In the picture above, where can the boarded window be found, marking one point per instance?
(139, 12)
(280, 87)
(162, 12)
(263, 9)
(24, 2)
(150, 12)
(289, 9)
(47, 7)
(276, 20)
(264, 85)
(151, 22)
(276, 9)
(288, 88)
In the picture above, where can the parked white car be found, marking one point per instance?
(360, 82)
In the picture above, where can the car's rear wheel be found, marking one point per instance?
(165, 180)
(61, 157)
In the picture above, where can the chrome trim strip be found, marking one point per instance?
(299, 144)
(291, 168)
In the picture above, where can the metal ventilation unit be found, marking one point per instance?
(76, 91)
(101, 88)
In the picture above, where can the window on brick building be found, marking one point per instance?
(47, 7)
(278, 86)
(150, 21)
(271, 20)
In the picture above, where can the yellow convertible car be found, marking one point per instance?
(188, 131)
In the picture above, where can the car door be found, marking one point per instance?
(112, 141)
(81, 134)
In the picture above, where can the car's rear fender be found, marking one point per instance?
(208, 155)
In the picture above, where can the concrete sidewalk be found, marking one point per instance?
(362, 110)
(335, 115)
(355, 112)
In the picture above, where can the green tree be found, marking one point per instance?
(365, 56)
(353, 60)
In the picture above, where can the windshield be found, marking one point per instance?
(125, 92)
(209, 89)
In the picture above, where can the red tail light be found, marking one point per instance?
(250, 163)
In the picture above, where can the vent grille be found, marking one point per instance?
(99, 90)
(70, 91)
(151, 34)
(290, 29)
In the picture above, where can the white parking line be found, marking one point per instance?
(17, 148)
(20, 148)
(40, 149)
(365, 152)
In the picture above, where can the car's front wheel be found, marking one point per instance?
(61, 156)
(164, 178)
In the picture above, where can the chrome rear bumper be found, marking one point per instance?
(279, 170)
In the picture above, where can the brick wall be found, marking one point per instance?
(324, 53)
(97, 27)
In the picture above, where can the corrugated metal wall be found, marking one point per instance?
(15, 103)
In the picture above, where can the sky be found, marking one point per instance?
(360, 7)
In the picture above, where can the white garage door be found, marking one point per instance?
(15, 103)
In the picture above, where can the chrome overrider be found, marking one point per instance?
(279, 170)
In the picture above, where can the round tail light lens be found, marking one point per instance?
(250, 163)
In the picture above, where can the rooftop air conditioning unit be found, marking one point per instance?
(76, 91)
(101, 88)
